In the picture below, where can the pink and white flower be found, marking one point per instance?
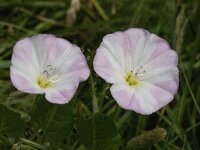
(50, 65)
(142, 68)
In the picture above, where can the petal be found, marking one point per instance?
(110, 62)
(163, 72)
(144, 100)
(117, 54)
(167, 59)
(29, 54)
(148, 48)
(128, 98)
(152, 98)
(61, 93)
(72, 62)
(24, 57)
(106, 68)
(159, 46)
(137, 40)
(167, 79)
(64, 56)
(44, 45)
(25, 67)
(59, 48)
(122, 94)
(23, 82)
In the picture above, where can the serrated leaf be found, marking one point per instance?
(11, 123)
(55, 120)
(98, 133)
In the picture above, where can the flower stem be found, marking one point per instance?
(37, 98)
(94, 98)
(33, 144)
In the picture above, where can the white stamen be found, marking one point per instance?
(138, 72)
(50, 73)
(52, 79)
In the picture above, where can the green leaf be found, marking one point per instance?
(11, 123)
(55, 120)
(98, 133)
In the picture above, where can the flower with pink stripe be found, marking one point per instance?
(142, 68)
(50, 65)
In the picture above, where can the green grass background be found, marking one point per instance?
(177, 21)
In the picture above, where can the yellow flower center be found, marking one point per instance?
(48, 77)
(44, 82)
(132, 80)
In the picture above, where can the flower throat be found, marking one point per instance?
(47, 77)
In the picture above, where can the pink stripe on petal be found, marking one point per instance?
(59, 96)
(24, 55)
(109, 74)
(59, 48)
(122, 95)
(144, 100)
(170, 86)
(161, 46)
(147, 102)
(155, 46)
(73, 64)
(107, 67)
(162, 96)
(62, 92)
(22, 82)
(135, 105)
(167, 58)
(140, 39)
(138, 100)
(101, 59)
(105, 74)
(78, 68)
(48, 48)
(167, 80)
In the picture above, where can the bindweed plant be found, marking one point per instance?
(134, 60)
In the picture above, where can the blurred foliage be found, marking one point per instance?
(177, 21)
(98, 132)
(54, 120)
